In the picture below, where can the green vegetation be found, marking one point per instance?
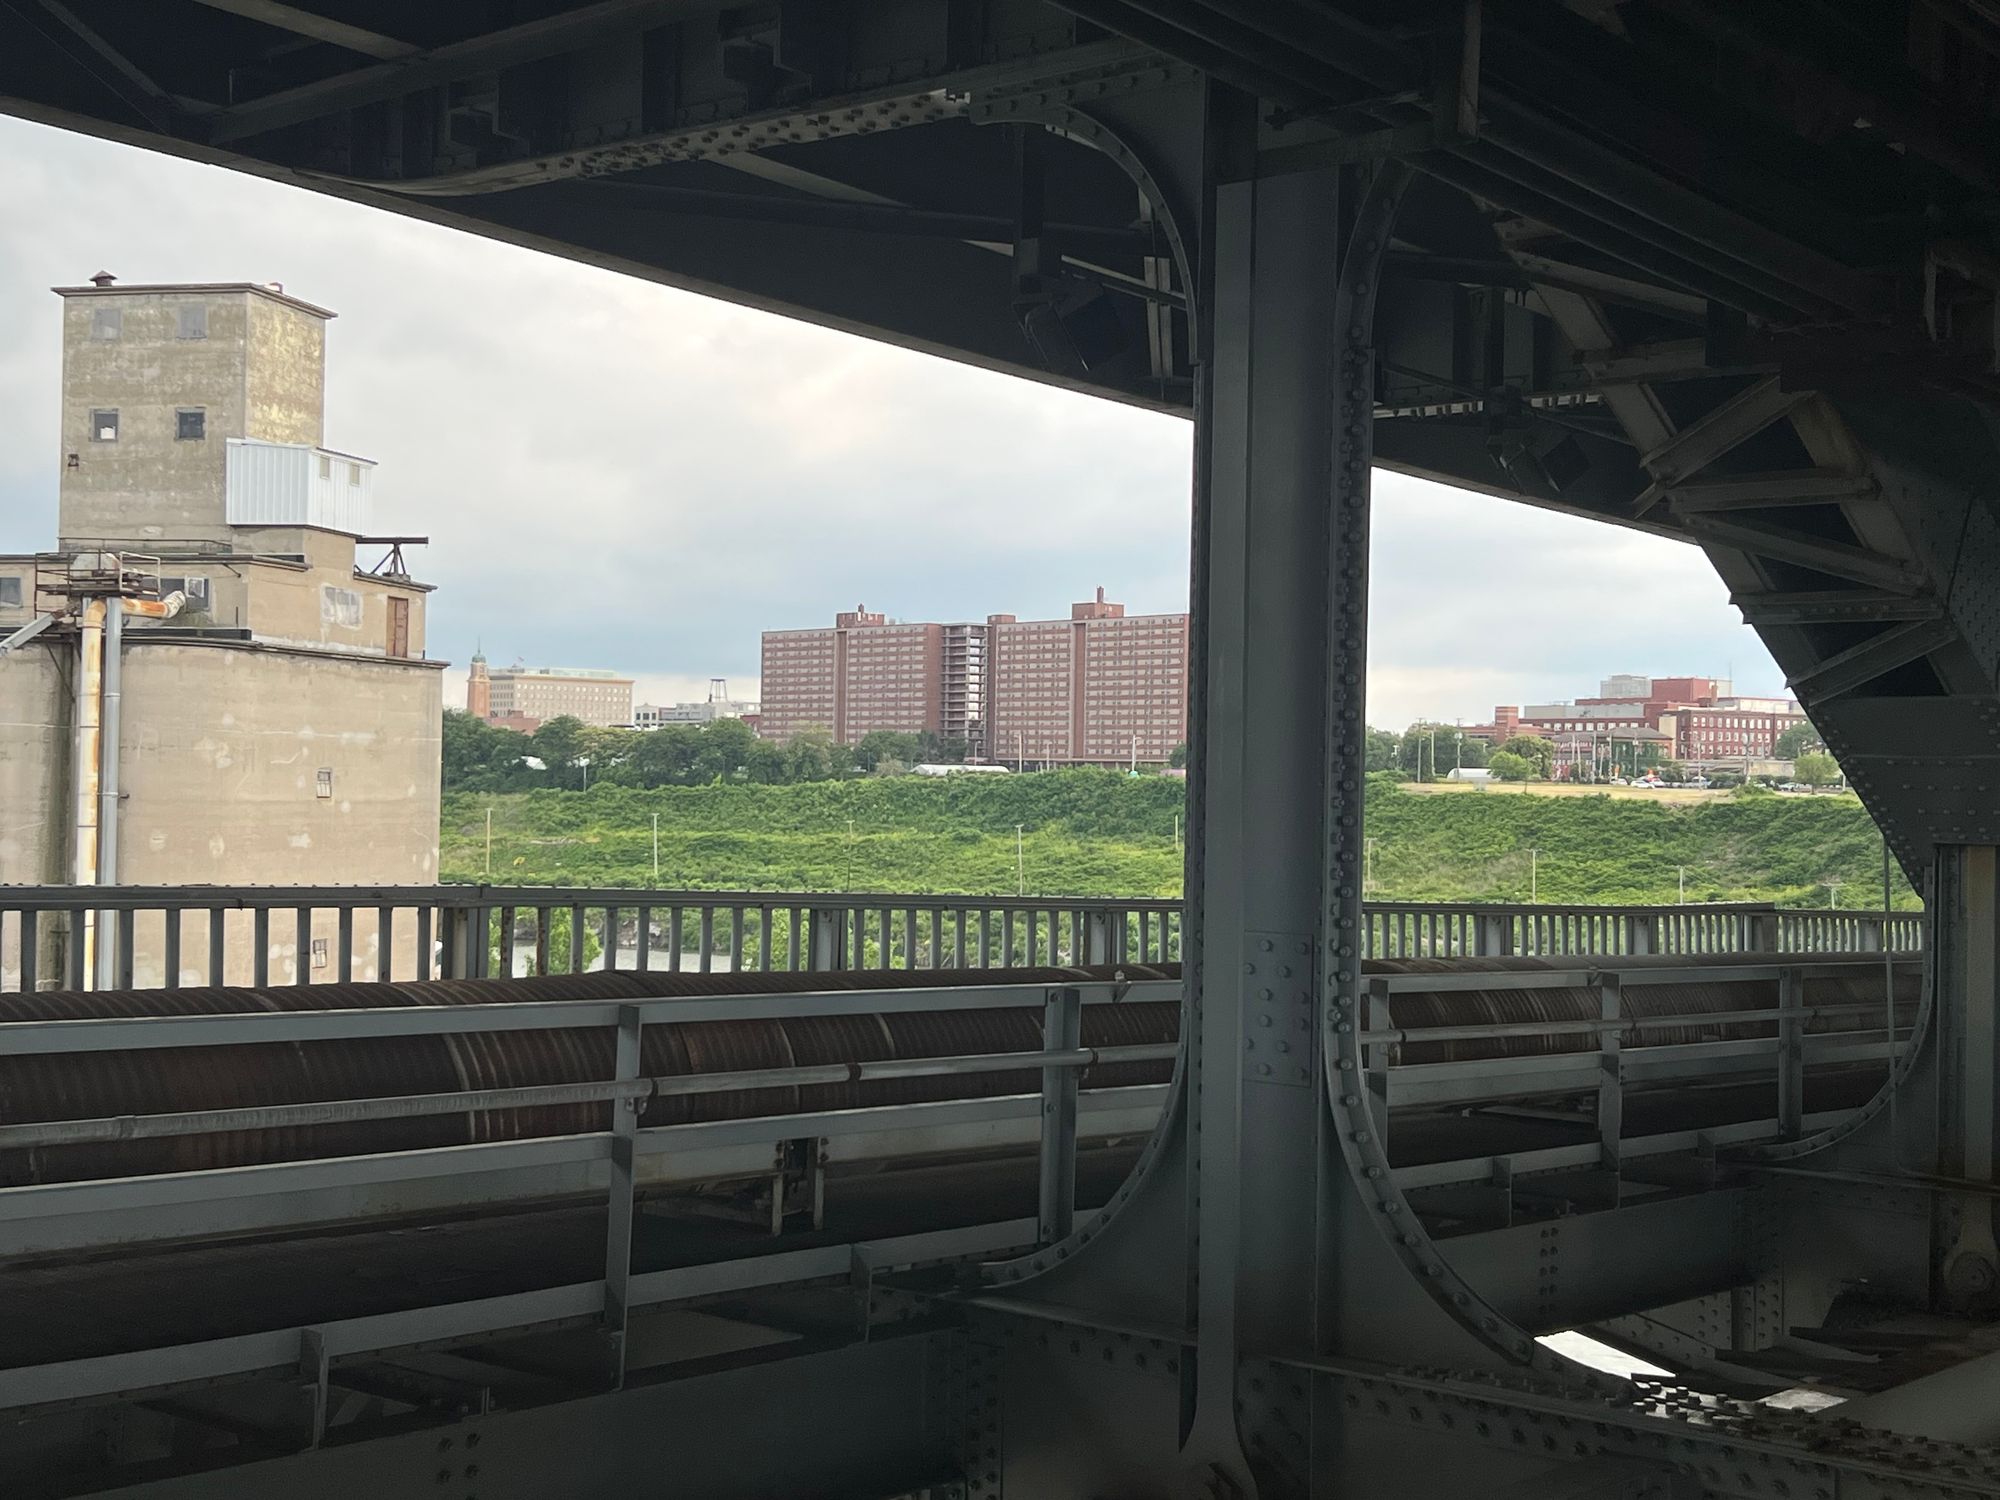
(567, 754)
(1083, 832)
(1103, 833)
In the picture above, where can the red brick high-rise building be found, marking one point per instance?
(1101, 687)
(865, 673)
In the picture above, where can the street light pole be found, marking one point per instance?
(489, 843)
(1534, 876)
(1020, 862)
(656, 851)
(850, 854)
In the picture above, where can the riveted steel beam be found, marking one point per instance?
(317, 27)
(1768, 491)
(1896, 646)
(1728, 425)
(1837, 559)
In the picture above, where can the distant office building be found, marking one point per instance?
(1698, 720)
(718, 705)
(278, 722)
(1101, 687)
(543, 693)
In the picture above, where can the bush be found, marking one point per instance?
(1507, 766)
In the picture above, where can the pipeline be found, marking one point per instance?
(83, 1086)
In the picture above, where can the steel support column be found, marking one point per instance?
(1968, 1056)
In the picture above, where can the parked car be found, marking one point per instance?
(1700, 781)
(1649, 780)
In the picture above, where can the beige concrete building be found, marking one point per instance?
(283, 727)
(542, 693)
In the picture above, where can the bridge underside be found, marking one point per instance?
(1726, 276)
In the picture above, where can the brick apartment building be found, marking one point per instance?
(1100, 687)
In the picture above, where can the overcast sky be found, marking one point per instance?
(616, 474)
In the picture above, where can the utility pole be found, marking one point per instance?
(1020, 862)
(850, 854)
(1684, 885)
(1534, 877)
(489, 843)
(1368, 865)
(1177, 833)
(656, 851)
(1832, 894)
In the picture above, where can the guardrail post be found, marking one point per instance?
(1762, 931)
(1062, 1031)
(313, 1365)
(1871, 935)
(1377, 1058)
(1792, 1054)
(455, 957)
(826, 933)
(1103, 937)
(1642, 935)
(618, 1225)
(1611, 1076)
(1493, 935)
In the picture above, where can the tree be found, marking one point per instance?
(810, 753)
(767, 764)
(559, 746)
(1507, 766)
(665, 756)
(1178, 756)
(880, 746)
(724, 746)
(482, 757)
(1420, 748)
(1816, 770)
(933, 749)
(1381, 747)
(1539, 753)
(1800, 739)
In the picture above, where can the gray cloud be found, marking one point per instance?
(623, 475)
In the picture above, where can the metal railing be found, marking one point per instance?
(173, 936)
(620, 1159)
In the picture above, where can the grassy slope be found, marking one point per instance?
(1101, 833)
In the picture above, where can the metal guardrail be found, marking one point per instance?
(619, 1160)
(172, 936)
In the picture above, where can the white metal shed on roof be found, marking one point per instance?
(292, 484)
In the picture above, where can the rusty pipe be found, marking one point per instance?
(89, 761)
(110, 714)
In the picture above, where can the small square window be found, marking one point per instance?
(11, 593)
(325, 467)
(104, 426)
(354, 473)
(190, 424)
(323, 782)
(193, 321)
(106, 322)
